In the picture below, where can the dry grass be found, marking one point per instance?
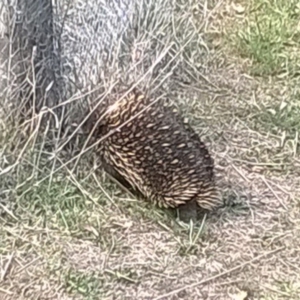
(65, 239)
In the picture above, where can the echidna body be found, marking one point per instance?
(152, 149)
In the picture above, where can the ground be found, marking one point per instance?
(68, 240)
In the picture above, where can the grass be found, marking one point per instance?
(270, 37)
(79, 236)
(87, 285)
(281, 118)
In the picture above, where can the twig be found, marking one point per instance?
(240, 173)
(277, 291)
(105, 193)
(3, 275)
(5, 291)
(27, 265)
(9, 168)
(218, 275)
(9, 212)
(283, 190)
(273, 192)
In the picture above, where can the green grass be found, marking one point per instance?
(87, 285)
(90, 284)
(279, 119)
(270, 37)
(276, 117)
(61, 205)
(65, 208)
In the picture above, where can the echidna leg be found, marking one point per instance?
(120, 180)
(188, 211)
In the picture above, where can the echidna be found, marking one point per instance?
(151, 150)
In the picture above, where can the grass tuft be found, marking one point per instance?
(87, 285)
(270, 37)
